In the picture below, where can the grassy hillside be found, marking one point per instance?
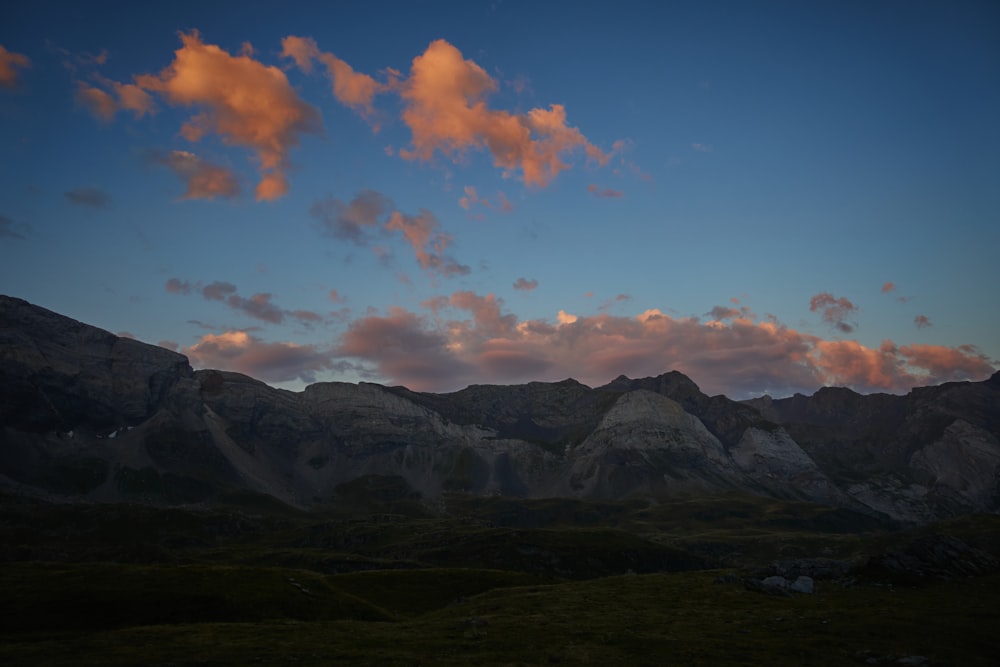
(488, 581)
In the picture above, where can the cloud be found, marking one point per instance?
(92, 197)
(404, 349)
(702, 148)
(104, 105)
(922, 321)
(423, 233)
(471, 198)
(835, 311)
(217, 291)
(258, 306)
(604, 193)
(272, 362)
(888, 287)
(7, 229)
(202, 179)
(96, 101)
(445, 108)
(350, 221)
(10, 62)
(243, 101)
(739, 355)
(352, 89)
(336, 297)
(525, 285)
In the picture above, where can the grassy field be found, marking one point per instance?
(476, 581)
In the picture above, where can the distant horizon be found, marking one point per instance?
(588, 385)
(768, 197)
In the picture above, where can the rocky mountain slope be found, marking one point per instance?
(87, 415)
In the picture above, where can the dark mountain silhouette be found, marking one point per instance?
(87, 415)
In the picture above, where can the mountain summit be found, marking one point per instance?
(85, 414)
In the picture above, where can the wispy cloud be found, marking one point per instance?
(525, 285)
(922, 321)
(352, 89)
(7, 229)
(258, 306)
(471, 198)
(104, 105)
(10, 63)
(835, 311)
(371, 213)
(604, 193)
(351, 221)
(202, 179)
(91, 197)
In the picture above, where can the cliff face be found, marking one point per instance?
(85, 414)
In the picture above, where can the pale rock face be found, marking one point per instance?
(648, 441)
(894, 497)
(781, 466)
(964, 462)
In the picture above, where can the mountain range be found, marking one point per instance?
(87, 415)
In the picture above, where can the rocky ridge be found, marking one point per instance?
(88, 415)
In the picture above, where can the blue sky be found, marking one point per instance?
(767, 196)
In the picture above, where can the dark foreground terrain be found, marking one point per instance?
(389, 580)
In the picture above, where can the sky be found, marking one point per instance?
(767, 196)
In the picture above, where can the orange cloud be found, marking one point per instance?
(10, 62)
(245, 102)
(446, 111)
(104, 105)
(203, 179)
(351, 88)
(888, 287)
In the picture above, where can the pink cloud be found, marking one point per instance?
(272, 362)
(446, 111)
(739, 356)
(10, 63)
(404, 348)
(888, 287)
(525, 285)
(922, 321)
(336, 297)
(202, 179)
(243, 101)
(835, 311)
